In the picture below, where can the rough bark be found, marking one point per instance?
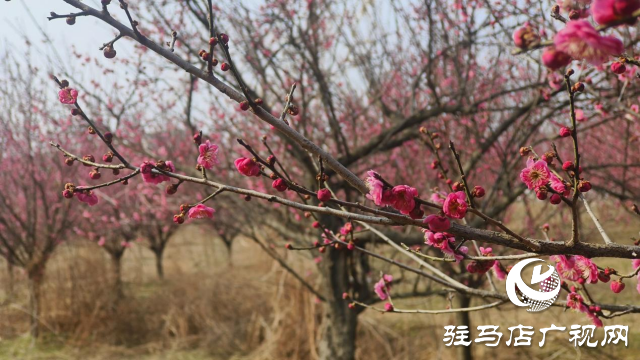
(339, 323)
(35, 283)
(117, 274)
(159, 253)
(462, 319)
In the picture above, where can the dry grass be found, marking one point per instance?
(246, 307)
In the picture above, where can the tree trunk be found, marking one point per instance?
(159, 266)
(35, 282)
(462, 318)
(117, 274)
(10, 287)
(339, 323)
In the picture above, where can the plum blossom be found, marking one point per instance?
(437, 223)
(555, 59)
(208, 155)
(382, 286)
(536, 174)
(581, 41)
(608, 12)
(88, 197)
(149, 177)
(247, 167)
(68, 96)
(455, 205)
(201, 211)
(375, 186)
(403, 198)
(443, 241)
(574, 268)
(558, 185)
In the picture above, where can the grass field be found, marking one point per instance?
(246, 307)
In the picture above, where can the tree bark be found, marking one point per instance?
(462, 319)
(10, 287)
(159, 265)
(35, 282)
(339, 323)
(117, 274)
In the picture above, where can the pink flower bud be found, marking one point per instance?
(618, 68)
(315, 225)
(68, 194)
(568, 166)
(584, 186)
(225, 38)
(247, 167)
(478, 191)
(554, 59)
(617, 286)
(564, 132)
(555, 199)
(94, 174)
(280, 185)
(324, 195)
(388, 307)
(525, 37)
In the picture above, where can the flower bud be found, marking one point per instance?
(71, 20)
(568, 166)
(88, 158)
(457, 186)
(109, 52)
(178, 219)
(541, 193)
(67, 194)
(555, 199)
(213, 41)
(324, 195)
(95, 174)
(617, 286)
(293, 110)
(108, 137)
(224, 38)
(564, 132)
(584, 186)
(524, 151)
(69, 161)
(75, 112)
(244, 106)
(225, 67)
(618, 68)
(171, 189)
(478, 191)
(197, 138)
(108, 157)
(577, 87)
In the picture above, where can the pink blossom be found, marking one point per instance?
(566, 267)
(437, 223)
(558, 185)
(588, 270)
(382, 286)
(608, 12)
(554, 59)
(443, 241)
(438, 197)
(403, 198)
(536, 174)
(575, 301)
(617, 286)
(201, 211)
(525, 36)
(208, 155)
(68, 96)
(247, 167)
(279, 184)
(497, 269)
(152, 178)
(581, 41)
(87, 197)
(376, 188)
(455, 206)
